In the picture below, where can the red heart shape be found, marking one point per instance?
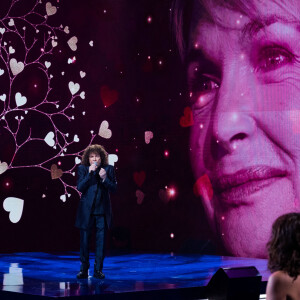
(108, 96)
(187, 119)
(139, 178)
(203, 187)
(55, 172)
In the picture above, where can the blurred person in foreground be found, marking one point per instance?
(284, 259)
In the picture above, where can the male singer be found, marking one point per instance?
(95, 180)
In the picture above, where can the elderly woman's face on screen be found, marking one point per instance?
(244, 84)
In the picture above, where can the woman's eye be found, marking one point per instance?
(271, 58)
(201, 83)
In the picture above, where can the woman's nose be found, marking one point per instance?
(233, 120)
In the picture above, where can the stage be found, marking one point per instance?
(133, 276)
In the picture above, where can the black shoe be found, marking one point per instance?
(82, 275)
(99, 275)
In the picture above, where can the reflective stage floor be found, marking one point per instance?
(135, 276)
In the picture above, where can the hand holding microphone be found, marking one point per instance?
(93, 167)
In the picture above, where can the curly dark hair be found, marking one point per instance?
(94, 149)
(284, 245)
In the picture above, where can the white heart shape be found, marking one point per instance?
(91, 43)
(20, 100)
(74, 87)
(3, 167)
(26, 112)
(66, 30)
(47, 64)
(76, 138)
(63, 198)
(148, 136)
(82, 74)
(3, 97)
(54, 43)
(2, 30)
(1, 72)
(11, 22)
(104, 131)
(62, 73)
(112, 158)
(77, 160)
(15, 208)
(83, 113)
(49, 139)
(16, 67)
(11, 50)
(70, 60)
(72, 42)
(50, 9)
(82, 95)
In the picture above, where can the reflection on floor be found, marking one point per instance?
(54, 275)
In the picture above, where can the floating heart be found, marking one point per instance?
(82, 74)
(49, 139)
(16, 67)
(50, 9)
(11, 50)
(11, 22)
(76, 138)
(112, 158)
(3, 167)
(54, 43)
(55, 172)
(20, 100)
(104, 131)
(3, 97)
(108, 96)
(140, 196)
(66, 30)
(82, 95)
(203, 188)
(15, 208)
(148, 136)
(63, 198)
(47, 64)
(74, 87)
(70, 61)
(72, 42)
(77, 160)
(1, 72)
(187, 119)
(164, 195)
(2, 30)
(91, 43)
(139, 178)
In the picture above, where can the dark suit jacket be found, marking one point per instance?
(87, 184)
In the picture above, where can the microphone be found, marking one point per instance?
(95, 163)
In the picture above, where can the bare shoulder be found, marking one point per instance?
(278, 284)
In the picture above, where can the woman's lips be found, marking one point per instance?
(234, 189)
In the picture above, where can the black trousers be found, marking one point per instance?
(97, 222)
